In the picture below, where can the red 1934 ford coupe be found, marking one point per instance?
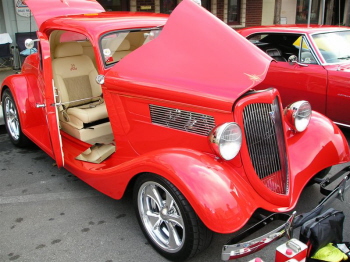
(167, 105)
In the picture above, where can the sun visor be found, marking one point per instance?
(46, 9)
(196, 50)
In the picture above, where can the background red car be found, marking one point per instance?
(312, 63)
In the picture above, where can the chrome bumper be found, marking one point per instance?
(235, 249)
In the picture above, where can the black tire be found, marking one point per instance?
(12, 122)
(172, 213)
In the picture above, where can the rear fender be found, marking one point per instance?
(18, 86)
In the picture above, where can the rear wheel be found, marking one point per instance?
(12, 122)
(167, 219)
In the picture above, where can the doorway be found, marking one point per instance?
(115, 5)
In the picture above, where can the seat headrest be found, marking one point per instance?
(68, 49)
(115, 45)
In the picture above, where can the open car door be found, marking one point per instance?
(46, 9)
(50, 101)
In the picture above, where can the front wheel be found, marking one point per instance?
(167, 219)
(12, 122)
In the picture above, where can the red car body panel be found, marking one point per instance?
(325, 86)
(188, 69)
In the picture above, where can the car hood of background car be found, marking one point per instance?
(45, 9)
(196, 53)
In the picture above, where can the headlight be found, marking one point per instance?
(298, 114)
(226, 140)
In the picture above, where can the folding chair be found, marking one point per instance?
(6, 57)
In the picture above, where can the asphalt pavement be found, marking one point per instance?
(47, 214)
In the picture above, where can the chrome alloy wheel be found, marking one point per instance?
(161, 217)
(11, 118)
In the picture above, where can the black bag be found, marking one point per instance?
(321, 230)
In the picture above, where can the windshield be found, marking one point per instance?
(334, 47)
(117, 45)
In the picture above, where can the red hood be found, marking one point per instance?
(196, 53)
(45, 9)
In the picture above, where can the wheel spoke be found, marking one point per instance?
(169, 201)
(152, 192)
(176, 220)
(154, 219)
(174, 238)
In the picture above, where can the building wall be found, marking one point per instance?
(254, 16)
(268, 12)
(288, 11)
(220, 9)
(2, 19)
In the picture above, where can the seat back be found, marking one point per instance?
(276, 54)
(74, 75)
(88, 50)
(119, 50)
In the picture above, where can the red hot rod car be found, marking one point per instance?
(165, 105)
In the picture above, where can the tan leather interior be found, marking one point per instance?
(88, 50)
(119, 48)
(74, 77)
(97, 153)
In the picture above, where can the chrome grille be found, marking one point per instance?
(182, 120)
(265, 141)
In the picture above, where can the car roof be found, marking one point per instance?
(99, 23)
(301, 29)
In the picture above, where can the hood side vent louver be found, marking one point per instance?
(187, 121)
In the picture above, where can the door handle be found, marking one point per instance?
(40, 105)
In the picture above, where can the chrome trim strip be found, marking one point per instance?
(235, 251)
(340, 124)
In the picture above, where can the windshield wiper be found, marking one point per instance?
(344, 57)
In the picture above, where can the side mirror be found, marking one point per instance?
(292, 59)
(29, 43)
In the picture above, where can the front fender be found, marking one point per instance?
(217, 193)
(320, 146)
